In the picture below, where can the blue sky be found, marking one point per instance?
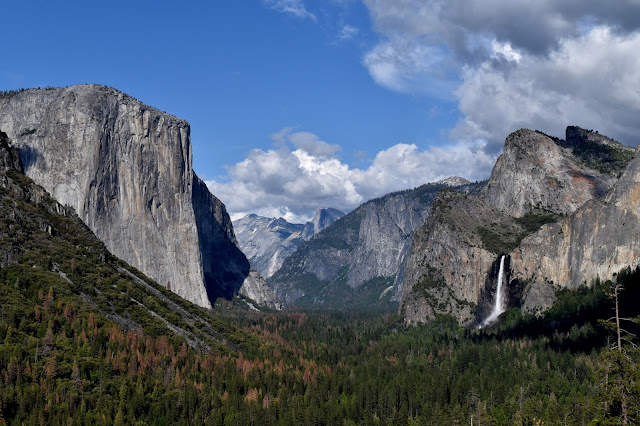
(298, 104)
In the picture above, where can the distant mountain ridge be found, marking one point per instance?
(358, 260)
(267, 242)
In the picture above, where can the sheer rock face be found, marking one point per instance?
(370, 242)
(537, 171)
(126, 169)
(449, 269)
(255, 287)
(598, 240)
(321, 219)
(9, 156)
(268, 242)
(453, 261)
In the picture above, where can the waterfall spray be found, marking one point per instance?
(498, 307)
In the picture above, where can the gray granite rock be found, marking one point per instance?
(268, 242)
(538, 171)
(126, 169)
(452, 264)
(370, 242)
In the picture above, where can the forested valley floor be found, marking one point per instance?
(60, 364)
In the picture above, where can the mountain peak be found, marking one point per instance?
(453, 181)
(537, 171)
(323, 218)
(268, 241)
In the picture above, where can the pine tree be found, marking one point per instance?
(2, 421)
(619, 393)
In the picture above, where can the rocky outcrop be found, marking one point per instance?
(536, 171)
(370, 243)
(453, 181)
(9, 156)
(321, 219)
(126, 169)
(538, 179)
(256, 289)
(597, 241)
(454, 259)
(268, 242)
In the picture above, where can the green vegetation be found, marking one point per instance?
(597, 151)
(504, 239)
(533, 220)
(10, 93)
(526, 370)
(431, 279)
(61, 362)
(86, 339)
(499, 240)
(339, 296)
(604, 158)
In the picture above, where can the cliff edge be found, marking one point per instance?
(126, 169)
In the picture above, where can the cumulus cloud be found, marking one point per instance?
(292, 7)
(292, 181)
(311, 144)
(591, 81)
(410, 66)
(514, 63)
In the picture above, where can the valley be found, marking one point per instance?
(128, 295)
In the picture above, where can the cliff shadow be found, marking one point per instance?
(29, 156)
(224, 265)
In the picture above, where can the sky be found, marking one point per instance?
(300, 104)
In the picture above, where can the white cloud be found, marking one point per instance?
(409, 66)
(347, 33)
(292, 181)
(292, 7)
(312, 144)
(514, 63)
(591, 81)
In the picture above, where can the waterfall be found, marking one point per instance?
(498, 307)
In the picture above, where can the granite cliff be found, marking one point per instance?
(536, 171)
(360, 257)
(46, 249)
(451, 256)
(598, 240)
(268, 242)
(554, 207)
(126, 169)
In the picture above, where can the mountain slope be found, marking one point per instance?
(455, 258)
(44, 247)
(364, 250)
(267, 242)
(601, 238)
(126, 169)
(537, 181)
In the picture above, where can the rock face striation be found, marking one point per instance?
(366, 248)
(268, 242)
(126, 169)
(555, 208)
(536, 171)
(597, 241)
(451, 255)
